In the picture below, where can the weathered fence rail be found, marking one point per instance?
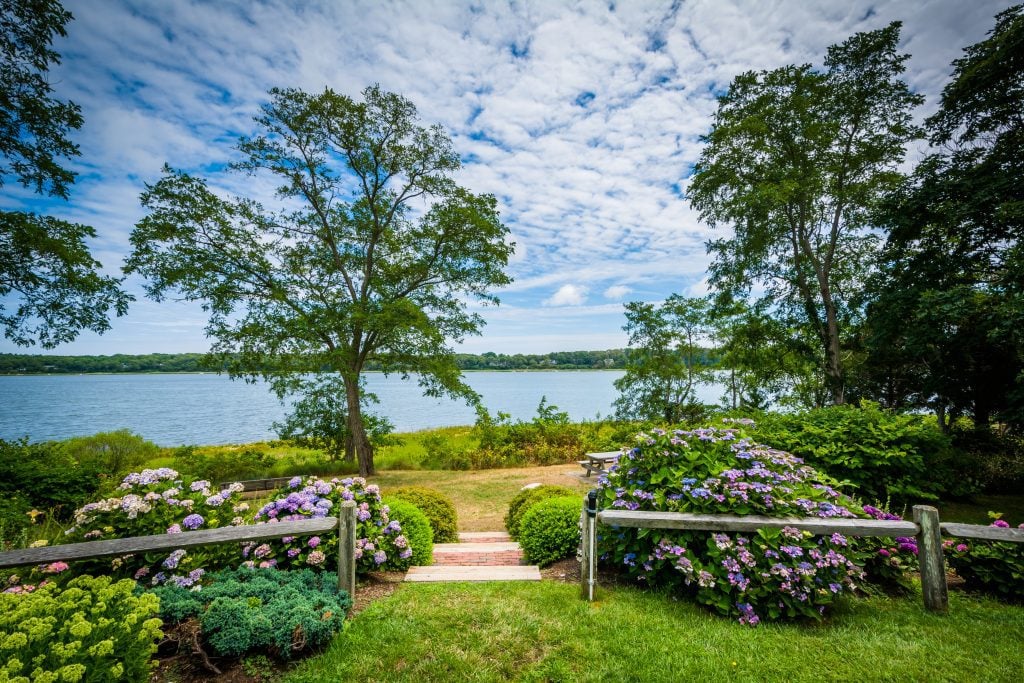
(344, 524)
(926, 528)
(268, 484)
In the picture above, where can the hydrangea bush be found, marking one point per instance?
(380, 543)
(161, 501)
(768, 574)
(993, 567)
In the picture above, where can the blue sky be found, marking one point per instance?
(582, 118)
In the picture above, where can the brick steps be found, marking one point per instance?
(479, 556)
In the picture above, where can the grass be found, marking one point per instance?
(544, 632)
(481, 497)
(975, 511)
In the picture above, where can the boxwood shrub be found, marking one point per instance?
(528, 497)
(260, 610)
(438, 508)
(93, 629)
(768, 574)
(550, 530)
(417, 531)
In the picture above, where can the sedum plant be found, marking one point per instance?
(769, 574)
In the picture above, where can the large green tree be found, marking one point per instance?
(665, 362)
(795, 162)
(944, 327)
(46, 270)
(372, 252)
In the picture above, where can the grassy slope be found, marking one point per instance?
(543, 632)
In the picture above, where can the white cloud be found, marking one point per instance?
(617, 292)
(568, 295)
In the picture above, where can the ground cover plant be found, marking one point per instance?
(248, 610)
(768, 574)
(544, 632)
(92, 629)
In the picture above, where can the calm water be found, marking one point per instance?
(174, 410)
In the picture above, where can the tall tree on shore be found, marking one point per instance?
(372, 254)
(46, 269)
(795, 162)
(945, 325)
(665, 362)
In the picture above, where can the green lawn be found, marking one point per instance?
(544, 632)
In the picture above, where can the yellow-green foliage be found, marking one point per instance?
(438, 508)
(92, 629)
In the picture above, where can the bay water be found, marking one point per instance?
(181, 409)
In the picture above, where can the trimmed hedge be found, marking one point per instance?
(438, 508)
(526, 499)
(550, 530)
(416, 529)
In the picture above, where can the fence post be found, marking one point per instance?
(929, 556)
(347, 547)
(588, 535)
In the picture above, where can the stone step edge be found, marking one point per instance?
(497, 547)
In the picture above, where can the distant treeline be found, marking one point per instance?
(17, 364)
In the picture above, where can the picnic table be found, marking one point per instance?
(597, 462)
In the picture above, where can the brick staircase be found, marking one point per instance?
(478, 556)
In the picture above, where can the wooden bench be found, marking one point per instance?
(597, 462)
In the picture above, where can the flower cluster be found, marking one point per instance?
(379, 539)
(768, 574)
(995, 567)
(157, 501)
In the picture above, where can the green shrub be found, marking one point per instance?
(250, 610)
(46, 476)
(549, 438)
(223, 464)
(992, 459)
(438, 508)
(880, 454)
(92, 629)
(550, 530)
(112, 453)
(416, 529)
(443, 455)
(523, 500)
(990, 566)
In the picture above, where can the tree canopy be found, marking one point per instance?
(373, 252)
(46, 269)
(795, 162)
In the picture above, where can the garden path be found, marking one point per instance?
(478, 556)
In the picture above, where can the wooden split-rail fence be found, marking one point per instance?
(344, 524)
(926, 528)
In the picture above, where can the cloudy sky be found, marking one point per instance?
(582, 118)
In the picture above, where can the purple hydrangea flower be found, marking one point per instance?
(193, 521)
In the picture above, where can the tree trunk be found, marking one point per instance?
(350, 448)
(360, 442)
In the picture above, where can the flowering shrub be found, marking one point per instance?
(380, 543)
(93, 629)
(243, 610)
(991, 566)
(886, 561)
(768, 574)
(156, 502)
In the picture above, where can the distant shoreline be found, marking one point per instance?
(211, 372)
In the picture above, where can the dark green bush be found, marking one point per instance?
(46, 476)
(438, 508)
(879, 454)
(90, 630)
(549, 438)
(550, 530)
(523, 500)
(247, 610)
(992, 567)
(993, 460)
(416, 529)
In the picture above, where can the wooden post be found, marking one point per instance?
(929, 556)
(347, 547)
